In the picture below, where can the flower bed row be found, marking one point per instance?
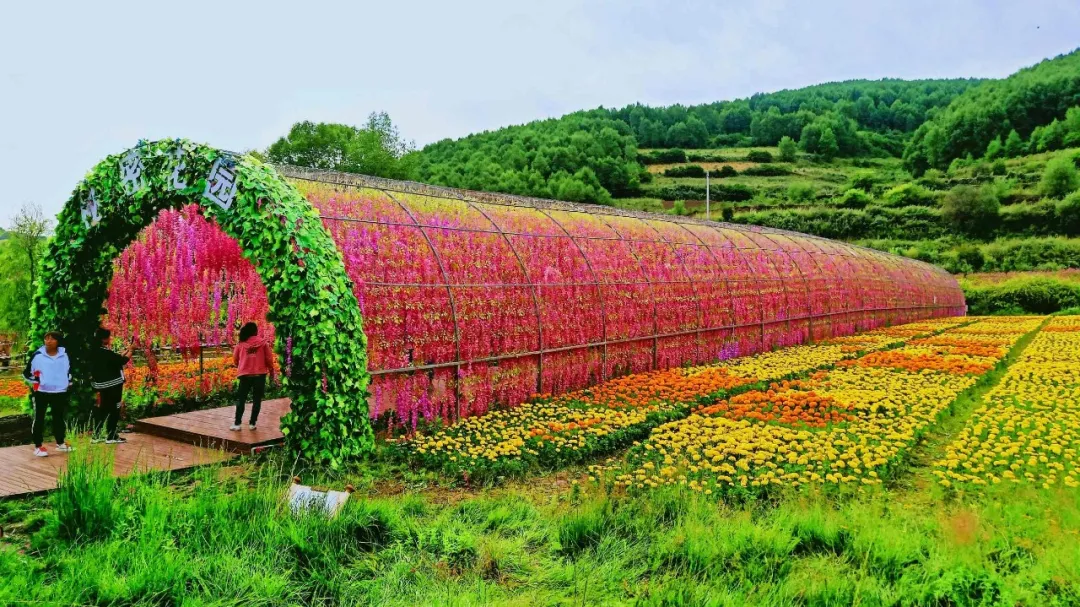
(553, 431)
(850, 424)
(1028, 429)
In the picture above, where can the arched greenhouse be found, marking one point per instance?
(468, 300)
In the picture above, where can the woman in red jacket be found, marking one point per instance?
(254, 362)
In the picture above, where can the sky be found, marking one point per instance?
(81, 80)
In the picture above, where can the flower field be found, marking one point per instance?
(1028, 429)
(552, 431)
(851, 424)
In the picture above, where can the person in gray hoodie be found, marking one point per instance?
(48, 372)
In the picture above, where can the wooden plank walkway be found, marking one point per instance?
(22, 474)
(210, 427)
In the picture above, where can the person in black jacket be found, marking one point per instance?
(107, 377)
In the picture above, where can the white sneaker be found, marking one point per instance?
(115, 441)
(41, 452)
(251, 426)
(64, 448)
(234, 427)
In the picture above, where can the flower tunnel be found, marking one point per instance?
(405, 302)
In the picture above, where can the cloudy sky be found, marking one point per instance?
(80, 80)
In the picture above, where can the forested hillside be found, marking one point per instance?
(1037, 109)
(591, 156)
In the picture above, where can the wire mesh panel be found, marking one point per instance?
(475, 300)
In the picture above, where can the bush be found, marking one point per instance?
(933, 179)
(907, 195)
(767, 170)
(703, 157)
(1024, 254)
(759, 156)
(788, 149)
(971, 256)
(725, 171)
(1031, 295)
(1035, 219)
(1060, 178)
(909, 223)
(727, 211)
(687, 170)
(1067, 213)
(864, 181)
(801, 192)
(999, 168)
(972, 210)
(679, 208)
(671, 156)
(854, 199)
(719, 192)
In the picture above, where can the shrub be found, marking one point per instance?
(727, 211)
(759, 156)
(767, 170)
(679, 208)
(725, 171)
(907, 195)
(971, 256)
(788, 149)
(972, 210)
(1060, 178)
(1023, 254)
(933, 179)
(864, 181)
(671, 156)
(1035, 219)
(719, 192)
(1031, 295)
(1067, 213)
(801, 192)
(999, 167)
(703, 157)
(854, 199)
(687, 170)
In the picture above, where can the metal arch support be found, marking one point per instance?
(777, 272)
(719, 229)
(689, 281)
(453, 304)
(652, 294)
(599, 293)
(717, 268)
(535, 296)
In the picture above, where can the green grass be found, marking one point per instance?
(223, 539)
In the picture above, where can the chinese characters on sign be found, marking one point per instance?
(131, 169)
(221, 184)
(90, 212)
(178, 165)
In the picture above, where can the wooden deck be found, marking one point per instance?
(210, 428)
(23, 474)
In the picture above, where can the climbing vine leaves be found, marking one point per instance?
(311, 301)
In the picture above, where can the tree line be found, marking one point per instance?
(1036, 109)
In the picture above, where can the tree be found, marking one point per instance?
(1014, 145)
(1060, 178)
(376, 149)
(994, 149)
(827, 145)
(788, 149)
(29, 228)
(974, 211)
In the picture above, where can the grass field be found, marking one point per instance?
(909, 433)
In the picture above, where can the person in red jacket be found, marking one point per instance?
(254, 362)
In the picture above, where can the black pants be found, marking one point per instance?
(58, 402)
(107, 415)
(256, 385)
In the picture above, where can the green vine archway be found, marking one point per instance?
(310, 296)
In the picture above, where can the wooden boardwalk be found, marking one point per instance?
(210, 427)
(172, 442)
(23, 474)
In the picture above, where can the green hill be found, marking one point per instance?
(1037, 109)
(591, 155)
